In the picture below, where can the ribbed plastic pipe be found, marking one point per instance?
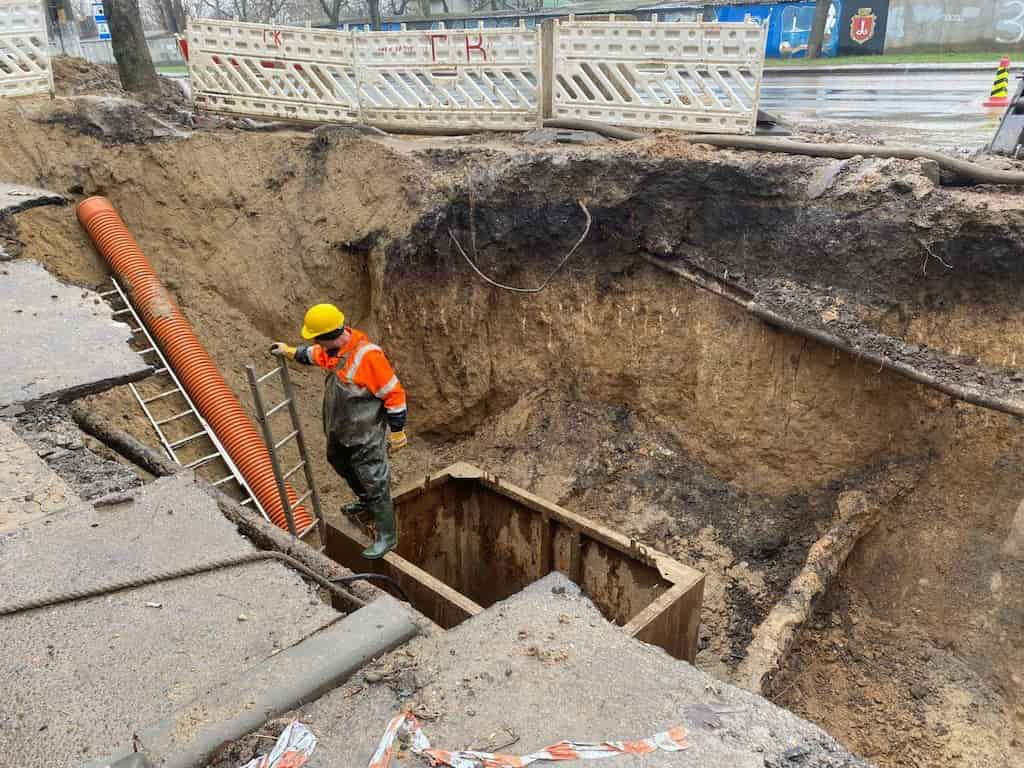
(190, 361)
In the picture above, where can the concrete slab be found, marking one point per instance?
(59, 341)
(301, 673)
(15, 197)
(544, 666)
(92, 673)
(29, 489)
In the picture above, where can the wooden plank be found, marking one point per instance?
(547, 68)
(432, 597)
(670, 569)
(672, 621)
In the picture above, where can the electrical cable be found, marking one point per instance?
(374, 577)
(118, 586)
(512, 288)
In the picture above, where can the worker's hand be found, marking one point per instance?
(397, 441)
(279, 349)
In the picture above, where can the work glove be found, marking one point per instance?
(279, 349)
(397, 441)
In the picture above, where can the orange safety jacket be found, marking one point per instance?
(367, 368)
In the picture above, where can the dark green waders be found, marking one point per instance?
(357, 447)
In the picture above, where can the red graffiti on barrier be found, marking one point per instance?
(433, 51)
(477, 46)
(275, 35)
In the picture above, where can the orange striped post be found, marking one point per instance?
(1000, 95)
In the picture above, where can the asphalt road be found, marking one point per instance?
(934, 109)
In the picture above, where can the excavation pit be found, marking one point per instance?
(468, 540)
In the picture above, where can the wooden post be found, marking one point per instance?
(547, 68)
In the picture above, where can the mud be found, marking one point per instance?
(619, 391)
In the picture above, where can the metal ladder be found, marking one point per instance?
(264, 416)
(175, 392)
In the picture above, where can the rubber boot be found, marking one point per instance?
(386, 537)
(354, 509)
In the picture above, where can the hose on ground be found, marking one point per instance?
(955, 391)
(611, 131)
(979, 174)
(197, 371)
(72, 596)
(963, 168)
(374, 577)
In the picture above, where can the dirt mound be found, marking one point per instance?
(73, 76)
(115, 120)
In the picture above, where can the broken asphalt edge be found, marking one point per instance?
(14, 407)
(15, 198)
(299, 674)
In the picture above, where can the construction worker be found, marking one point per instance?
(362, 398)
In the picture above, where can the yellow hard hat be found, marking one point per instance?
(320, 319)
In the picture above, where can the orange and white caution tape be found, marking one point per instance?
(292, 749)
(673, 740)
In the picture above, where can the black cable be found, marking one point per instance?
(374, 577)
(194, 570)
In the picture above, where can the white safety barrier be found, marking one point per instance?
(297, 73)
(690, 76)
(24, 58)
(471, 79)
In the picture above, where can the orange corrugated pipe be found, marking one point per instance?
(190, 361)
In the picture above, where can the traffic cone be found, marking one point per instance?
(1000, 96)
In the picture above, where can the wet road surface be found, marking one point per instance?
(938, 110)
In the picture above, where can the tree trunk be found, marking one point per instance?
(374, 8)
(817, 36)
(134, 64)
(173, 14)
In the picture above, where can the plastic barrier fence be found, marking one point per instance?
(24, 62)
(471, 79)
(296, 73)
(690, 76)
(478, 78)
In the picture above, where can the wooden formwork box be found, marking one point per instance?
(468, 539)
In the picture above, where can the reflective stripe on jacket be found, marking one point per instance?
(366, 368)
